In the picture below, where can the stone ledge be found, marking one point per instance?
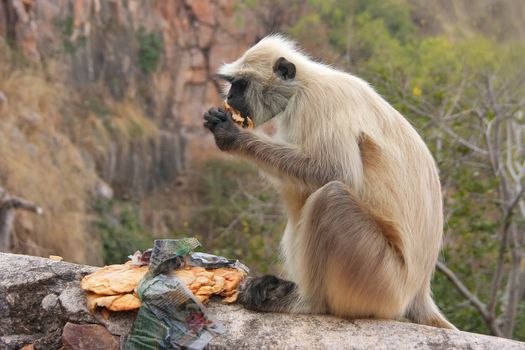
(39, 296)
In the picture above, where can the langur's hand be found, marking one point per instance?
(221, 124)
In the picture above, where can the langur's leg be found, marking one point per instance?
(269, 293)
(349, 262)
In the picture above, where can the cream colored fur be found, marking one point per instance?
(334, 126)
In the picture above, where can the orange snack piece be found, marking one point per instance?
(119, 302)
(114, 287)
(114, 279)
(205, 283)
(238, 118)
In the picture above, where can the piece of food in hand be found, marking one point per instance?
(114, 279)
(238, 118)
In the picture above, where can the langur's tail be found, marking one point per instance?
(423, 310)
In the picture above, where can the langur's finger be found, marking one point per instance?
(221, 115)
(209, 125)
(212, 118)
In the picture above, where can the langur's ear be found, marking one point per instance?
(284, 69)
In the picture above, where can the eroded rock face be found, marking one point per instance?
(41, 303)
(138, 76)
(162, 54)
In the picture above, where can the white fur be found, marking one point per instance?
(328, 114)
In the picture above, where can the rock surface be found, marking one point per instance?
(88, 337)
(41, 303)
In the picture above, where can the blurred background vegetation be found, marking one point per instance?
(86, 152)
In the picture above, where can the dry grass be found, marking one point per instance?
(130, 121)
(105, 122)
(51, 137)
(40, 163)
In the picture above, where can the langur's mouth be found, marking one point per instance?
(243, 109)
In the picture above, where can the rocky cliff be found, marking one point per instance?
(162, 54)
(41, 304)
(103, 98)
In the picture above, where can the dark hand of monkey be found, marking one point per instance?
(221, 124)
(267, 293)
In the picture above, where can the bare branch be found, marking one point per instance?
(496, 282)
(8, 206)
(20, 203)
(457, 98)
(511, 301)
(510, 163)
(513, 203)
(462, 141)
(457, 115)
(471, 297)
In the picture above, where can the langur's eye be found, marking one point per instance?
(238, 87)
(225, 77)
(240, 83)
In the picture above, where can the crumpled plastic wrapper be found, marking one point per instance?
(170, 316)
(141, 259)
(211, 261)
(168, 283)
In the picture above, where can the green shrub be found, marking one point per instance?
(120, 230)
(239, 214)
(151, 46)
(66, 26)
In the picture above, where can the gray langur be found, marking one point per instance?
(360, 188)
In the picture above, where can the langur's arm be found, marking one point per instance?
(282, 159)
(279, 159)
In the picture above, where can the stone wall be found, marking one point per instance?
(41, 303)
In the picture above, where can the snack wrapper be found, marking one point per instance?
(210, 261)
(170, 316)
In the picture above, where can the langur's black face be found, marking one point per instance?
(262, 98)
(237, 96)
